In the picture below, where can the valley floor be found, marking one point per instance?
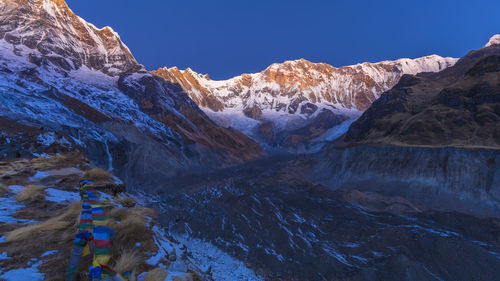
(269, 215)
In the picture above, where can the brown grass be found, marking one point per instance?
(133, 222)
(157, 274)
(3, 189)
(69, 218)
(61, 160)
(129, 260)
(98, 175)
(31, 193)
(127, 202)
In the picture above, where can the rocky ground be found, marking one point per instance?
(39, 214)
(286, 228)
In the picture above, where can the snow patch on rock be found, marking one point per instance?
(59, 196)
(223, 266)
(24, 274)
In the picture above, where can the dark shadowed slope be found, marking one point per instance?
(433, 139)
(60, 73)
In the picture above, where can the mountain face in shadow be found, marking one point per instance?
(434, 138)
(64, 75)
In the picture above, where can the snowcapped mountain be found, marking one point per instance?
(494, 40)
(436, 135)
(51, 29)
(61, 74)
(458, 107)
(297, 101)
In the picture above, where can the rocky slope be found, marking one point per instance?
(458, 107)
(39, 215)
(61, 75)
(297, 102)
(286, 228)
(432, 138)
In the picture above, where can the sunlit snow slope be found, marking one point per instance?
(297, 102)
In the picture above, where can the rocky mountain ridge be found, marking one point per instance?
(57, 34)
(61, 74)
(433, 139)
(458, 107)
(291, 100)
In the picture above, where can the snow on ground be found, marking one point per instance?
(233, 118)
(38, 176)
(204, 255)
(24, 274)
(4, 256)
(105, 196)
(59, 196)
(9, 206)
(224, 267)
(16, 188)
(336, 131)
(173, 274)
(164, 246)
(47, 138)
(48, 253)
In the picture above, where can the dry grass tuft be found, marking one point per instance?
(69, 218)
(129, 260)
(31, 193)
(133, 222)
(127, 202)
(157, 274)
(61, 160)
(98, 175)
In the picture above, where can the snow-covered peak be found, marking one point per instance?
(297, 93)
(276, 87)
(432, 63)
(494, 40)
(53, 33)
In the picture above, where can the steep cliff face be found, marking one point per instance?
(61, 74)
(445, 179)
(458, 107)
(433, 139)
(288, 98)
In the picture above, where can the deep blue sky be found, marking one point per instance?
(226, 38)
